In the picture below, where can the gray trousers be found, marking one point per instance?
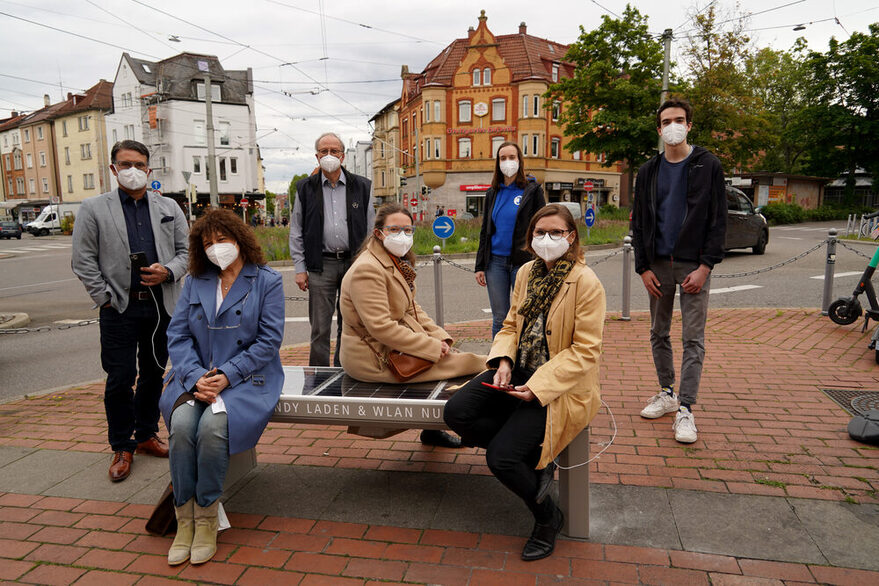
(694, 312)
(323, 301)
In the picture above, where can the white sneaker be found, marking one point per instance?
(659, 405)
(685, 427)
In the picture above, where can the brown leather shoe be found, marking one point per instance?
(121, 466)
(154, 447)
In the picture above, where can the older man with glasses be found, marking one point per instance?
(331, 216)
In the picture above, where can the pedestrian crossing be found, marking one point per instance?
(41, 248)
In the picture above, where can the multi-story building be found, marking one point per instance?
(11, 165)
(477, 93)
(38, 149)
(385, 161)
(358, 158)
(162, 104)
(82, 149)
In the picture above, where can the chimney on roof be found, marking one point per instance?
(46, 100)
(470, 32)
(14, 114)
(69, 95)
(523, 28)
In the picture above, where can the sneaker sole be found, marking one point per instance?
(659, 415)
(686, 441)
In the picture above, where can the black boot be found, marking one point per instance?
(544, 482)
(437, 437)
(542, 541)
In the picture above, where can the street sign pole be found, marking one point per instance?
(186, 176)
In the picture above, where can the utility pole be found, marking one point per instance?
(209, 128)
(666, 41)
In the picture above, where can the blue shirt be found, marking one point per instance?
(671, 204)
(140, 232)
(503, 216)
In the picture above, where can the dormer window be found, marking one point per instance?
(486, 76)
(555, 72)
(476, 76)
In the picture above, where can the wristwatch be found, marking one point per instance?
(170, 277)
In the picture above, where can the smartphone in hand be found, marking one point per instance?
(138, 261)
(505, 389)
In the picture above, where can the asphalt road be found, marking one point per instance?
(35, 278)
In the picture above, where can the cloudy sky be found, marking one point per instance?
(322, 65)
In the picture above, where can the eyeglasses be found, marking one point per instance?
(407, 230)
(553, 234)
(129, 165)
(334, 152)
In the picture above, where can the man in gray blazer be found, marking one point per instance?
(130, 250)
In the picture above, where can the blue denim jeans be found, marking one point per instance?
(500, 277)
(199, 453)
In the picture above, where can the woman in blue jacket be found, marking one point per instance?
(510, 204)
(223, 341)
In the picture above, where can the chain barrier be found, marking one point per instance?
(858, 252)
(86, 322)
(607, 257)
(456, 265)
(295, 298)
(775, 266)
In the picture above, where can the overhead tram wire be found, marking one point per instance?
(749, 15)
(134, 26)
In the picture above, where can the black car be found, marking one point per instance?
(10, 230)
(746, 227)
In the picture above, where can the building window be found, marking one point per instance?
(525, 106)
(32, 184)
(42, 159)
(555, 72)
(556, 111)
(536, 105)
(437, 112)
(486, 76)
(86, 151)
(463, 148)
(499, 109)
(383, 178)
(496, 143)
(476, 76)
(39, 133)
(11, 191)
(66, 155)
(426, 114)
(199, 132)
(45, 185)
(83, 123)
(225, 133)
(30, 161)
(131, 131)
(215, 91)
(601, 158)
(576, 155)
(19, 186)
(555, 148)
(88, 181)
(222, 168)
(115, 136)
(70, 184)
(233, 165)
(524, 145)
(63, 128)
(17, 158)
(535, 145)
(464, 111)
(27, 135)
(436, 148)
(196, 165)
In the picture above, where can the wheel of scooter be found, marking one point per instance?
(844, 311)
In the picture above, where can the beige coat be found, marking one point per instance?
(568, 383)
(378, 308)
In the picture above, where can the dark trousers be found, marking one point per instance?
(510, 430)
(130, 350)
(323, 301)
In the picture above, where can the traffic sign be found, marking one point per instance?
(588, 186)
(244, 203)
(414, 201)
(443, 227)
(186, 175)
(156, 185)
(589, 217)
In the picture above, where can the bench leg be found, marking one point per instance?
(574, 487)
(239, 465)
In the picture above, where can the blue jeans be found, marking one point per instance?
(500, 277)
(198, 452)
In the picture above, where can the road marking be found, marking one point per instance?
(789, 238)
(68, 321)
(26, 249)
(837, 275)
(57, 245)
(300, 319)
(486, 310)
(734, 289)
(37, 284)
(804, 229)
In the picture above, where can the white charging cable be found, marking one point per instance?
(596, 456)
(155, 331)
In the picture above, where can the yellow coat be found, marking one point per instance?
(568, 383)
(377, 306)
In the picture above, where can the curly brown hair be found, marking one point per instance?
(226, 222)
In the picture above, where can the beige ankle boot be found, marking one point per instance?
(179, 551)
(204, 543)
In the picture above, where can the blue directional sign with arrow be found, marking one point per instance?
(444, 227)
(156, 185)
(589, 217)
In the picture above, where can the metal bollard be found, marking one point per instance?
(627, 278)
(829, 268)
(438, 286)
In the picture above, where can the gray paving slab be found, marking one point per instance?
(632, 515)
(93, 481)
(481, 504)
(9, 454)
(847, 534)
(43, 469)
(748, 526)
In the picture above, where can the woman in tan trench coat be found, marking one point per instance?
(380, 314)
(545, 377)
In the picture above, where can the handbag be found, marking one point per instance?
(403, 366)
(163, 520)
(865, 428)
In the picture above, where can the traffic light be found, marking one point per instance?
(423, 190)
(402, 181)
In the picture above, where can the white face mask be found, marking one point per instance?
(509, 167)
(330, 164)
(674, 134)
(222, 254)
(132, 178)
(549, 249)
(398, 244)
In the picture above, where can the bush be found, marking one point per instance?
(66, 223)
(611, 212)
(783, 213)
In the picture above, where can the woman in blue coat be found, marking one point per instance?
(223, 341)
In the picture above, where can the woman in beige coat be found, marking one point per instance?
(545, 387)
(380, 314)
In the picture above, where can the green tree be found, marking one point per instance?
(270, 203)
(611, 100)
(291, 189)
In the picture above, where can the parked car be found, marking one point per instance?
(746, 227)
(10, 230)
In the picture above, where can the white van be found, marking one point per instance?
(49, 219)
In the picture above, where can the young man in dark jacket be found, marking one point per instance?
(678, 227)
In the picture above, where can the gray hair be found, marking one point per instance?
(326, 134)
